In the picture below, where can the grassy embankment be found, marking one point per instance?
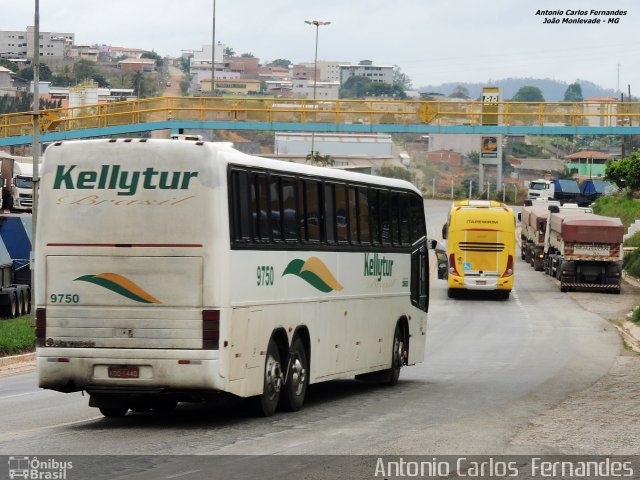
(16, 336)
(628, 210)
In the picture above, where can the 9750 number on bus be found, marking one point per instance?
(265, 276)
(64, 298)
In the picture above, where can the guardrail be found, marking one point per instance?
(266, 111)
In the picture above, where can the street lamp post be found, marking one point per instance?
(317, 24)
(213, 51)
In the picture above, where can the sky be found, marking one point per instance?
(431, 41)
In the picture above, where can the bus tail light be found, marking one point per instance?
(452, 265)
(41, 326)
(210, 329)
(509, 270)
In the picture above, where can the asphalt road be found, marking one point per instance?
(491, 367)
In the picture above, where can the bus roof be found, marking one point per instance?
(224, 152)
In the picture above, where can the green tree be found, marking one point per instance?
(280, 62)
(45, 73)
(229, 52)
(248, 55)
(528, 93)
(625, 173)
(401, 79)
(154, 56)
(573, 93)
(137, 83)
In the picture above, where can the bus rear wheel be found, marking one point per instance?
(295, 388)
(267, 402)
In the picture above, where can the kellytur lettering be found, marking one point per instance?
(375, 266)
(111, 177)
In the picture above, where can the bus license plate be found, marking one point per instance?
(481, 282)
(124, 372)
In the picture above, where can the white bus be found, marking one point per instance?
(172, 271)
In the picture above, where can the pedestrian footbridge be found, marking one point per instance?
(360, 116)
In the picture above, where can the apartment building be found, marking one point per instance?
(18, 44)
(366, 68)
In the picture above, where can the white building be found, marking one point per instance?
(323, 90)
(19, 44)
(366, 68)
(328, 70)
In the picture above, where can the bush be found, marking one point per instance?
(626, 209)
(16, 336)
(635, 315)
(631, 263)
(632, 241)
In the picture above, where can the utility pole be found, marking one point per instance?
(213, 51)
(35, 146)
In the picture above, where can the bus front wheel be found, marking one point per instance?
(295, 388)
(267, 402)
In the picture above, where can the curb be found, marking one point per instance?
(12, 360)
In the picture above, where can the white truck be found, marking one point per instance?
(17, 187)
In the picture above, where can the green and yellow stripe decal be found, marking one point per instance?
(314, 272)
(120, 285)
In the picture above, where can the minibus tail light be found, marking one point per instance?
(41, 326)
(210, 329)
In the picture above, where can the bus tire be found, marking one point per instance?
(295, 388)
(267, 402)
(114, 412)
(451, 293)
(397, 356)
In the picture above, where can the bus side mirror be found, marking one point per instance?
(519, 217)
(442, 260)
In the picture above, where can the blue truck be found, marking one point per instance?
(15, 269)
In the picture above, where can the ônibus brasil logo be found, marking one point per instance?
(315, 273)
(120, 285)
(112, 177)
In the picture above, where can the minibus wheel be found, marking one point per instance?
(114, 412)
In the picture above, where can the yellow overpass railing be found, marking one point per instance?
(333, 112)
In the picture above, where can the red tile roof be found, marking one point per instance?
(588, 154)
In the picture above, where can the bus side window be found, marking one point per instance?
(289, 209)
(405, 227)
(363, 216)
(420, 277)
(260, 201)
(374, 216)
(276, 208)
(385, 216)
(417, 218)
(240, 205)
(395, 218)
(329, 214)
(353, 216)
(341, 213)
(312, 210)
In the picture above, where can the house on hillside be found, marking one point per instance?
(587, 163)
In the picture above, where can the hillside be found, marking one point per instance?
(552, 90)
